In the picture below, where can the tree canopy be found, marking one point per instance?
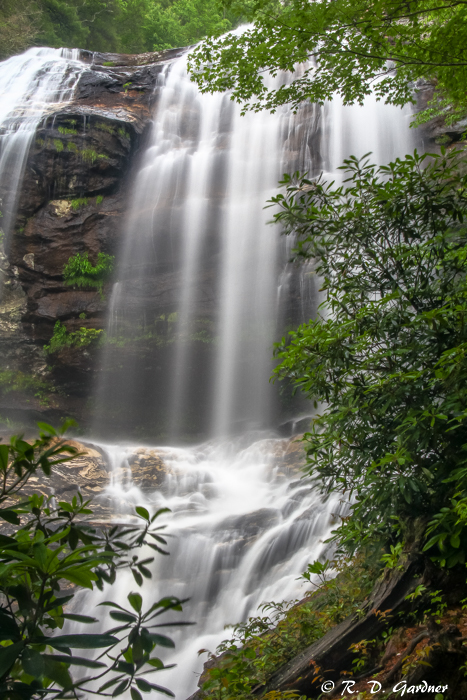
(387, 355)
(347, 47)
(129, 26)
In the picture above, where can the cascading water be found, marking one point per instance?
(30, 85)
(199, 263)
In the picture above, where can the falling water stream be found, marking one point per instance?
(30, 85)
(244, 524)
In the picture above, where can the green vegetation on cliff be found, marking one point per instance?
(62, 338)
(79, 270)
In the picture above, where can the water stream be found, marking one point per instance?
(30, 85)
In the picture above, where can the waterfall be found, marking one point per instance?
(203, 288)
(201, 268)
(30, 85)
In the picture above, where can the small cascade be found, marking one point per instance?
(30, 85)
(244, 525)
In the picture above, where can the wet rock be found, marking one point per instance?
(148, 469)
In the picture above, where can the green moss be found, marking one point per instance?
(77, 203)
(123, 133)
(443, 140)
(127, 85)
(102, 126)
(40, 143)
(65, 130)
(99, 199)
(17, 381)
(108, 63)
(89, 155)
(72, 147)
(58, 145)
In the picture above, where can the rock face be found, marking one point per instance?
(73, 194)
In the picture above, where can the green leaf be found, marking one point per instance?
(123, 616)
(9, 630)
(10, 516)
(120, 689)
(76, 661)
(81, 577)
(161, 640)
(142, 512)
(135, 601)
(8, 656)
(4, 453)
(147, 687)
(80, 618)
(81, 641)
(33, 663)
(57, 672)
(135, 694)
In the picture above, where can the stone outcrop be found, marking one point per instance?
(73, 194)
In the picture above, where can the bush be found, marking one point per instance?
(80, 272)
(50, 545)
(81, 338)
(387, 356)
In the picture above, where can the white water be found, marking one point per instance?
(30, 85)
(245, 526)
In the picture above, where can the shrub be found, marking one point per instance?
(61, 338)
(388, 356)
(80, 272)
(49, 546)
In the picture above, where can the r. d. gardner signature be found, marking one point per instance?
(375, 687)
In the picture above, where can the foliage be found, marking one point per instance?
(346, 47)
(81, 338)
(50, 546)
(80, 272)
(129, 26)
(15, 380)
(387, 354)
(260, 646)
(18, 26)
(185, 22)
(78, 203)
